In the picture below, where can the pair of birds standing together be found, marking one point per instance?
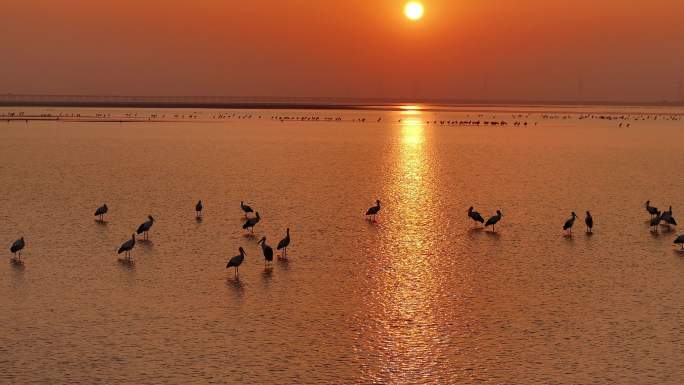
(143, 229)
(588, 220)
(657, 217)
(491, 221)
(250, 222)
(267, 250)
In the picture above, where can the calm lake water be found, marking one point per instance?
(418, 297)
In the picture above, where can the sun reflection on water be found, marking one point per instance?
(403, 300)
(412, 131)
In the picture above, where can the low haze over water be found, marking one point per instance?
(418, 297)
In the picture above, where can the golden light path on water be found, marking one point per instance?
(404, 299)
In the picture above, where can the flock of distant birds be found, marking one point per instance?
(658, 217)
(476, 118)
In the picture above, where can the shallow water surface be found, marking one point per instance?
(418, 297)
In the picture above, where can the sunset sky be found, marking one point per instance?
(461, 49)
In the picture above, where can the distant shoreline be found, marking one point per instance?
(259, 103)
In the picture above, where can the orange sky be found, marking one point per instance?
(475, 49)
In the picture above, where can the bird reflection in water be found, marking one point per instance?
(267, 274)
(126, 263)
(17, 264)
(236, 286)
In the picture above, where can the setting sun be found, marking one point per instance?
(413, 10)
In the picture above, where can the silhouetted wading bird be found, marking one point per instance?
(101, 211)
(474, 215)
(145, 227)
(589, 221)
(16, 248)
(236, 261)
(655, 220)
(651, 210)
(667, 217)
(245, 208)
(198, 208)
(251, 222)
(570, 222)
(127, 246)
(679, 241)
(373, 211)
(282, 245)
(492, 221)
(267, 250)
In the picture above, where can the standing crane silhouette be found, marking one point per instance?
(251, 222)
(101, 211)
(589, 221)
(16, 248)
(284, 243)
(679, 241)
(655, 221)
(127, 246)
(492, 221)
(569, 223)
(145, 227)
(236, 261)
(651, 210)
(475, 216)
(373, 211)
(198, 208)
(267, 250)
(667, 217)
(245, 208)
